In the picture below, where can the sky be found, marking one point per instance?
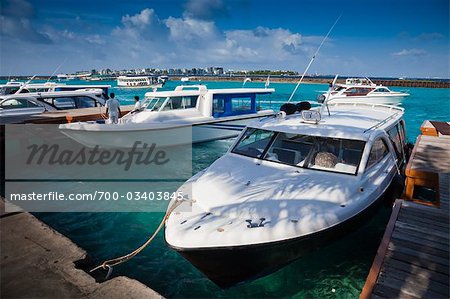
(397, 38)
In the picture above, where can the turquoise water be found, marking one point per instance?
(336, 271)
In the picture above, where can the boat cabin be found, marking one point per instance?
(209, 102)
(340, 144)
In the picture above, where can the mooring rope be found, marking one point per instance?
(108, 264)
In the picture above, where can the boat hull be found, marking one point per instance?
(164, 137)
(228, 266)
(384, 100)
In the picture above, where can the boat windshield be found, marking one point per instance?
(313, 152)
(153, 104)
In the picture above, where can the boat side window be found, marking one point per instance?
(401, 128)
(233, 104)
(15, 103)
(396, 138)
(381, 90)
(218, 106)
(240, 104)
(85, 102)
(184, 102)
(378, 152)
(253, 142)
(64, 103)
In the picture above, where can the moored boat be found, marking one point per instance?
(288, 185)
(140, 81)
(188, 114)
(362, 90)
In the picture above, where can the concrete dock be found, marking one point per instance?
(39, 262)
(412, 260)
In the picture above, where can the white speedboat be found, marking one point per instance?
(20, 107)
(288, 185)
(188, 114)
(140, 81)
(362, 90)
(16, 87)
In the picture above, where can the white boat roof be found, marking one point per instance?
(347, 120)
(202, 89)
(89, 91)
(52, 84)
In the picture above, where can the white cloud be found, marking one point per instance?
(188, 29)
(144, 18)
(410, 52)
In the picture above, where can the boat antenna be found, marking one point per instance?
(54, 72)
(246, 80)
(312, 59)
(325, 102)
(24, 84)
(266, 85)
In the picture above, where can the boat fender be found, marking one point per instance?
(288, 108)
(304, 105)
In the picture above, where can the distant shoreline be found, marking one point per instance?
(429, 83)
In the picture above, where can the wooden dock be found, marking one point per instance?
(74, 115)
(413, 258)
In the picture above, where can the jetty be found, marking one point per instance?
(72, 115)
(412, 260)
(427, 83)
(38, 262)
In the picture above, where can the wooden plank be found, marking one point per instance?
(418, 255)
(436, 252)
(422, 289)
(385, 291)
(440, 220)
(419, 229)
(418, 282)
(423, 236)
(381, 252)
(402, 235)
(424, 209)
(428, 129)
(412, 218)
(409, 259)
(431, 212)
(419, 271)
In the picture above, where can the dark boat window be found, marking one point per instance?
(378, 152)
(185, 102)
(314, 152)
(396, 138)
(85, 102)
(64, 103)
(322, 153)
(14, 103)
(253, 143)
(233, 104)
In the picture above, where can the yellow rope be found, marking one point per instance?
(127, 257)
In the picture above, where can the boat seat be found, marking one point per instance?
(288, 156)
(325, 159)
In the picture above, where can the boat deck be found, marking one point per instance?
(74, 115)
(430, 157)
(412, 260)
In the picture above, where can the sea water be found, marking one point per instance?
(335, 271)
